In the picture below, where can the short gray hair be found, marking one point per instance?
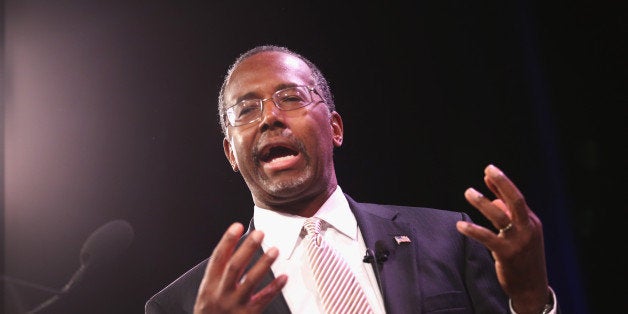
(322, 85)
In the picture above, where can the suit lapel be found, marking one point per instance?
(278, 305)
(398, 272)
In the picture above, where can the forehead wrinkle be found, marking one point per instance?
(250, 74)
(257, 95)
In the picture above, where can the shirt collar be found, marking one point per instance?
(335, 211)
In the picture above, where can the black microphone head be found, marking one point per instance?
(381, 251)
(107, 242)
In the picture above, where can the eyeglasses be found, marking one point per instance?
(250, 110)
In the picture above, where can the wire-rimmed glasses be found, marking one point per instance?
(250, 110)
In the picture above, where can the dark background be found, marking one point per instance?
(109, 113)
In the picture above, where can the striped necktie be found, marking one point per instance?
(338, 288)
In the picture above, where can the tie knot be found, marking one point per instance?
(312, 225)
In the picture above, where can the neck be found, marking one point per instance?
(304, 206)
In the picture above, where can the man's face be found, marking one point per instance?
(285, 157)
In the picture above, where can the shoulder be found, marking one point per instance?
(180, 295)
(393, 211)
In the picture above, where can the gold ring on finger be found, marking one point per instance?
(506, 229)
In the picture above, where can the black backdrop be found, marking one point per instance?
(109, 113)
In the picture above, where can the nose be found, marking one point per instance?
(271, 115)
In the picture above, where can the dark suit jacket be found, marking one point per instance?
(438, 271)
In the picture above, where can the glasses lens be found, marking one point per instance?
(292, 98)
(243, 112)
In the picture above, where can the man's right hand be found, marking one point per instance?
(225, 287)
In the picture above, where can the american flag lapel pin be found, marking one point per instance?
(402, 239)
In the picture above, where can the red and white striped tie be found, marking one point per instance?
(338, 288)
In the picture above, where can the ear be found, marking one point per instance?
(337, 128)
(226, 145)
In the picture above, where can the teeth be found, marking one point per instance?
(280, 158)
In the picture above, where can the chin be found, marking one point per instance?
(285, 186)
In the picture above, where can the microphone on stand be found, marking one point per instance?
(103, 245)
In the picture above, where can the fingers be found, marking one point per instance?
(499, 203)
(508, 211)
(253, 277)
(507, 192)
(211, 289)
(225, 287)
(479, 233)
(494, 211)
(235, 267)
(246, 284)
(223, 251)
(268, 293)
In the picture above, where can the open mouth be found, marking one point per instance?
(273, 153)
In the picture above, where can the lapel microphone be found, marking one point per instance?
(377, 258)
(380, 254)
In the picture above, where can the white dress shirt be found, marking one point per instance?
(284, 232)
